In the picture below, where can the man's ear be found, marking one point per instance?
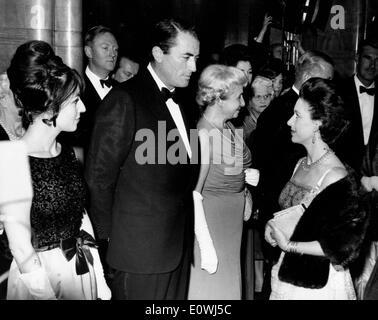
(157, 53)
(88, 52)
(306, 76)
(356, 57)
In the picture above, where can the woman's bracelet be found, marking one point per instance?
(292, 247)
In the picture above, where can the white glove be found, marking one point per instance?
(209, 259)
(248, 205)
(103, 291)
(252, 176)
(38, 284)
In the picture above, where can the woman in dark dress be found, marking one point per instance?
(51, 240)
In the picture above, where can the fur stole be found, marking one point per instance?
(337, 219)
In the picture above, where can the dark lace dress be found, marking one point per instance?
(57, 214)
(59, 198)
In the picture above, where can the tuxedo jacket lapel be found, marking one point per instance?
(374, 126)
(351, 100)
(154, 100)
(91, 92)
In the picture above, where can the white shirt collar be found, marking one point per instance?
(359, 83)
(156, 78)
(91, 75)
(174, 110)
(95, 80)
(295, 90)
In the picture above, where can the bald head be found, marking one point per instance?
(313, 64)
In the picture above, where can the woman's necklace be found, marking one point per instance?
(307, 166)
(212, 124)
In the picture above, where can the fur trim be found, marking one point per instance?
(337, 219)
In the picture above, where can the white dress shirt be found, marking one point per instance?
(175, 112)
(95, 80)
(366, 103)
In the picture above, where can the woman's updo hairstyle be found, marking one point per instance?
(218, 82)
(40, 81)
(326, 105)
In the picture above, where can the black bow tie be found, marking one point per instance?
(369, 91)
(169, 94)
(107, 82)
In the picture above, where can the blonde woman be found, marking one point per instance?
(219, 196)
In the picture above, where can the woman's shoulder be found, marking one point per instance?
(332, 175)
(204, 126)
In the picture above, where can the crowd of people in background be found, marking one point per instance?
(191, 216)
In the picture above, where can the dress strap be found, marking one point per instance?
(322, 178)
(296, 166)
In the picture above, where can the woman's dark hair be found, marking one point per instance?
(232, 54)
(273, 68)
(326, 105)
(40, 81)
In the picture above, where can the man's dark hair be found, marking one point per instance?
(368, 42)
(165, 32)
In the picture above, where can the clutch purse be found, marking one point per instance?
(287, 219)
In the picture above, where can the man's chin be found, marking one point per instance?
(183, 84)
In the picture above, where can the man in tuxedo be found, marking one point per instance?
(141, 199)
(273, 152)
(101, 50)
(358, 145)
(359, 92)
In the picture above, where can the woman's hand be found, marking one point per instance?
(366, 183)
(268, 235)
(278, 235)
(374, 182)
(252, 176)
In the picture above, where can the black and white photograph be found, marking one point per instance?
(194, 158)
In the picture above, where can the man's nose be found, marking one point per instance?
(242, 102)
(192, 64)
(113, 52)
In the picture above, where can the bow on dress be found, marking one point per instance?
(80, 246)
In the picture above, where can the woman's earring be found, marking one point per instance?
(314, 137)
